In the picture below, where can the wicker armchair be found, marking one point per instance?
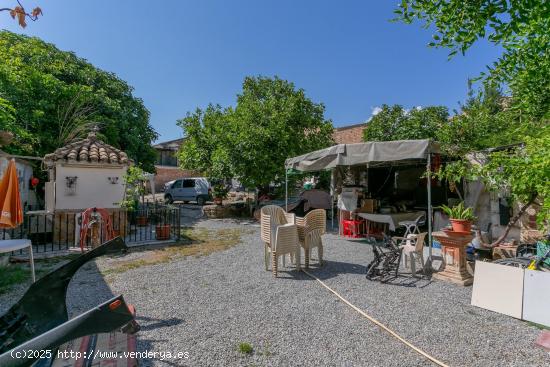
(272, 216)
(310, 229)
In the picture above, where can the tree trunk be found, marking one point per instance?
(511, 223)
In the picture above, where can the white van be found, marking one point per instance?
(188, 189)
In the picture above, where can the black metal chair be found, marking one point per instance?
(387, 257)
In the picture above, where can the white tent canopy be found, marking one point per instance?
(371, 153)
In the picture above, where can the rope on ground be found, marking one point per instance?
(378, 323)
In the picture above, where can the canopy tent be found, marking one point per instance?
(370, 154)
(377, 153)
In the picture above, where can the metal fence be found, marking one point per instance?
(61, 230)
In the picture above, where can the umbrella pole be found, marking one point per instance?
(429, 189)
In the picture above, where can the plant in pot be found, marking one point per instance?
(163, 227)
(162, 231)
(461, 218)
(219, 192)
(134, 191)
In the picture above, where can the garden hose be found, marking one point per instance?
(378, 323)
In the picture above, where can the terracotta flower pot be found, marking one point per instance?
(141, 221)
(163, 231)
(461, 225)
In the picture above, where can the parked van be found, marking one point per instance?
(188, 189)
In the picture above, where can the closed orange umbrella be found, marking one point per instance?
(11, 212)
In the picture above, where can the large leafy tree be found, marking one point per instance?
(397, 123)
(55, 94)
(521, 171)
(205, 146)
(272, 120)
(486, 121)
(520, 27)
(522, 30)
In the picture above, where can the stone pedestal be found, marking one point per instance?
(454, 255)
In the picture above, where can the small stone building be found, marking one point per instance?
(86, 173)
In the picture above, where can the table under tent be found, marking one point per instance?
(391, 170)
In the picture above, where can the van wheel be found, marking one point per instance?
(200, 200)
(168, 199)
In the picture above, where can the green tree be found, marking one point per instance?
(485, 121)
(55, 93)
(271, 121)
(396, 123)
(205, 146)
(520, 28)
(522, 171)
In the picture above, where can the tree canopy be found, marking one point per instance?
(272, 120)
(49, 96)
(520, 28)
(397, 123)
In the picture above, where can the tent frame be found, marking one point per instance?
(427, 158)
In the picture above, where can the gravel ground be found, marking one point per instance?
(207, 306)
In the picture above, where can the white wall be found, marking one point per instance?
(24, 174)
(93, 188)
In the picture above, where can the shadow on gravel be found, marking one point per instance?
(150, 323)
(332, 269)
(408, 281)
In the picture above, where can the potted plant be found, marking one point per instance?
(134, 191)
(162, 231)
(461, 218)
(219, 192)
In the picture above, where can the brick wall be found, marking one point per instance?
(349, 134)
(167, 173)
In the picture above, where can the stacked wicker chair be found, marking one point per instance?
(279, 234)
(310, 229)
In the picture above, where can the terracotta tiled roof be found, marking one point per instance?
(89, 150)
(349, 134)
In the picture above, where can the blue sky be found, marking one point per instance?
(179, 55)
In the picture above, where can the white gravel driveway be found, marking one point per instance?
(207, 306)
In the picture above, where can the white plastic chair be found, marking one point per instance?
(413, 251)
(412, 226)
(272, 216)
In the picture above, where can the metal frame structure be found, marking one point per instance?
(371, 154)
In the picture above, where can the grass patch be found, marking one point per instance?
(538, 326)
(18, 273)
(194, 242)
(245, 348)
(12, 275)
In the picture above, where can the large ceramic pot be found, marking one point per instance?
(141, 221)
(461, 225)
(162, 231)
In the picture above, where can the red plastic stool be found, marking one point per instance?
(352, 228)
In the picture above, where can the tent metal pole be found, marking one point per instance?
(332, 184)
(286, 190)
(429, 188)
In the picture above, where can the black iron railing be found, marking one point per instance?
(61, 230)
